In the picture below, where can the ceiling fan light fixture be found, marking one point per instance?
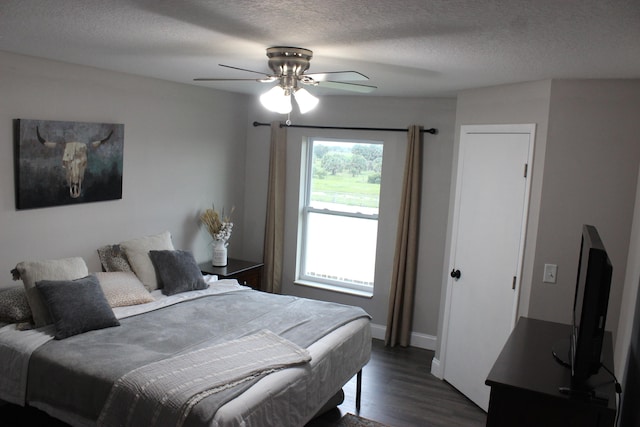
(306, 101)
(277, 100)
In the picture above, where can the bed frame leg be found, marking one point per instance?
(358, 389)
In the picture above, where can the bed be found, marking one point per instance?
(221, 354)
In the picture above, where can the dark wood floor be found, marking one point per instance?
(397, 389)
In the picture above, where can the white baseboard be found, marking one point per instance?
(428, 342)
(378, 331)
(435, 369)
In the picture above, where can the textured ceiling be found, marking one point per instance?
(406, 47)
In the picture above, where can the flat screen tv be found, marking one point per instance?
(589, 310)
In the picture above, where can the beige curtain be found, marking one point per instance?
(403, 280)
(274, 227)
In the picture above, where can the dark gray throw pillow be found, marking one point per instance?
(76, 306)
(177, 271)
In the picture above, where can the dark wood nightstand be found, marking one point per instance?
(247, 273)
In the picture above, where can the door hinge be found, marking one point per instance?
(513, 285)
(526, 168)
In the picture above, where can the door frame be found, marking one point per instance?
(529, 129)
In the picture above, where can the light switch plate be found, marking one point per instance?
(550, 273)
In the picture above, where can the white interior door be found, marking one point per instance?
(487, 243)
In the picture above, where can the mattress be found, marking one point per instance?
(291, 396)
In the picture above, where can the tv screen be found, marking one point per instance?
(589, 307)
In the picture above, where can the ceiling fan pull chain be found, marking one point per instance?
(288, 121)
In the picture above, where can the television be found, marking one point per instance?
(582, 352)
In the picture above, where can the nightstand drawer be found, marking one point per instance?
(251, 277)
(247, 273)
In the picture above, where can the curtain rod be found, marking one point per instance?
(432, 131)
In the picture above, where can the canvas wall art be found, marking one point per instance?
(62, 163)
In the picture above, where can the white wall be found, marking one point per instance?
(590, 177)
(630, 291)
(508, 104)
(366, 112)
(183, 150)
(585, 171)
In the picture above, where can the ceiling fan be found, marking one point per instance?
(289, 66)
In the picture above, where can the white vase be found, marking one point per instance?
(219, 253)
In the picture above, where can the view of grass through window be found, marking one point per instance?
(341, 220)
(346, 174)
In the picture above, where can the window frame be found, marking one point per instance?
(306, 209)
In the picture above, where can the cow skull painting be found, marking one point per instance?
(60, 163)
(74, 161)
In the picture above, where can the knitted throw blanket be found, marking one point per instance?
(162, 393)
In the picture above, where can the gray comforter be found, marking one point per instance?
(76, 374)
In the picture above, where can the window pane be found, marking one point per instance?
(340, 248)
(346, 176)
(340, 216)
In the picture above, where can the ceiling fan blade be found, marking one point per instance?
(267, 78)
(211, 79)
(243, 69)
(353, 87)
(337, 76)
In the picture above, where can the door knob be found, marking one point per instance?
(455, 274)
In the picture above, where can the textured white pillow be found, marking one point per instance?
(123, 288)
(137, 251)
(58, 269)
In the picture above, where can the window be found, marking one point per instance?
(339, 225)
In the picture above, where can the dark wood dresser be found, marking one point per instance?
(525, 382)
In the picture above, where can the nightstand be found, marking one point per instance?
(247, 273)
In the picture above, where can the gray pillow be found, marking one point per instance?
(55, 269)
(177, 271)
(76, 306)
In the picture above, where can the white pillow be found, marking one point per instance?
(58, 269)
(123, 288)
(137, 251)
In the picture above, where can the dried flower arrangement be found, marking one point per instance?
(218, 225)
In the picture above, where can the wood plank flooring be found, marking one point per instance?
(397, 389)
